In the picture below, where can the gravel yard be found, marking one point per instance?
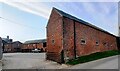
(28, 61)
(37, 61)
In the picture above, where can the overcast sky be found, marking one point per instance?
(27, 20)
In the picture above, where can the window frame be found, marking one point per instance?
(82, 41)
(97, 43)
(53, 41)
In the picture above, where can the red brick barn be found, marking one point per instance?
(69, 37)
(28, 46)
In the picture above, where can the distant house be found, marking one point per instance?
(69, 37)
(32, 45)
(17, 45)
(1, 54)
(8, 48)
(13, 47)
(6, 41)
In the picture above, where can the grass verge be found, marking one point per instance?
(94, 56)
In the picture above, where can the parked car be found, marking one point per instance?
(36, 50)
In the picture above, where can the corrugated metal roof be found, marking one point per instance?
(79, 20)
(35, 41)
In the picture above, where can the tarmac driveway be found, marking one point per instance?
(28, 61)
(104, 63)
(37, 61)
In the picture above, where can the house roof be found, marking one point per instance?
(80, 20)
(6, 40)
(35, 41)
(17, 42)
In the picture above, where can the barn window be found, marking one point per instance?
(53, 41)
(97, 43)
(83, 41)
(105, 44)
(44, 44)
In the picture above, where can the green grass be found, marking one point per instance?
(93, 56)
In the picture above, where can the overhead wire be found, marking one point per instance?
(13, 22)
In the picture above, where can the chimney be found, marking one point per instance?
(7, 37)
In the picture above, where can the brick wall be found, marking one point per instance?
(17, 46)
(91, 36)
(40, 45)
(54, 37)
(13, 47)
(68, 35)
(8, 48)
(29, 46)
(24, 46)
(32, 46)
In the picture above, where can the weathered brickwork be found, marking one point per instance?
(91, 36)
(68, 38)
(54, 37)
(31, 46)
(39, 45)
(13, 47)
(8, 48)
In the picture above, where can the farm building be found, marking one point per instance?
(17, 45)
(1, 54)
(13, 47)
(32, 45)
(69, 37)
(8, 47)
(6, 41)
